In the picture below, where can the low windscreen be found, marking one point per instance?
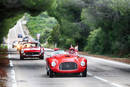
(31, 45)
(58, 52)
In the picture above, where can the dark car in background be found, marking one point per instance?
(26, 39)
(20, 36)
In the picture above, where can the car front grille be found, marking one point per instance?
(32, 53)
(68, 66)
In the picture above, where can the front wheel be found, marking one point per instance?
(21, 57)
(41, 57)
(51, 73)
(47, 73)
(84, 73)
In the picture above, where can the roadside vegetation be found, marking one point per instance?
(3, 51)
(4, 61)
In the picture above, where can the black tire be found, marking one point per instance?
(47, 73)
(21, 57)
(51, 74)
(41, 57)
(84, 73)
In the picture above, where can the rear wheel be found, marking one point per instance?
(47, 69)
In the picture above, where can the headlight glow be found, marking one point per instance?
(82, 63)
(18, 46)
(53, 64)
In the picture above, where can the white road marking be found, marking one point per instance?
(11, 64)
(14, 83)
(116, 85)
(104, 80)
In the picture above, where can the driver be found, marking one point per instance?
(72, 51)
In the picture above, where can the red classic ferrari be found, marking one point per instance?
(62, 62)
(31, 49)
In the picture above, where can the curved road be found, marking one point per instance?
(32, 73)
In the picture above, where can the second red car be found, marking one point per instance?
(31, 50)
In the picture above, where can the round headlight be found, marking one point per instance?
(53, 64)
(82, 63)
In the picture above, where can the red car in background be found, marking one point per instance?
(32, 50)
(62, 62)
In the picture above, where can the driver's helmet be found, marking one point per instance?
(55, 49)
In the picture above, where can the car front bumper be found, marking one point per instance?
(78, 70)
(31, 55)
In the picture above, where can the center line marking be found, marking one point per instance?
(104, 80)
(101, 79)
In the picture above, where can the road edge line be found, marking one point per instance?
(14, 83)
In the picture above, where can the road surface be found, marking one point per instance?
(32, 73)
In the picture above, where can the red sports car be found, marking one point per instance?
(31, 50)
(62, 62)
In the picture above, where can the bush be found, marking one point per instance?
(3, 46)
(95, 41)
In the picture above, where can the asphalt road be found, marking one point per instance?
(32, 72)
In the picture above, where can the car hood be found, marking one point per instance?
(66, 58)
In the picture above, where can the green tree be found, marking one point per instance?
(113, 18)
(42, 24)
